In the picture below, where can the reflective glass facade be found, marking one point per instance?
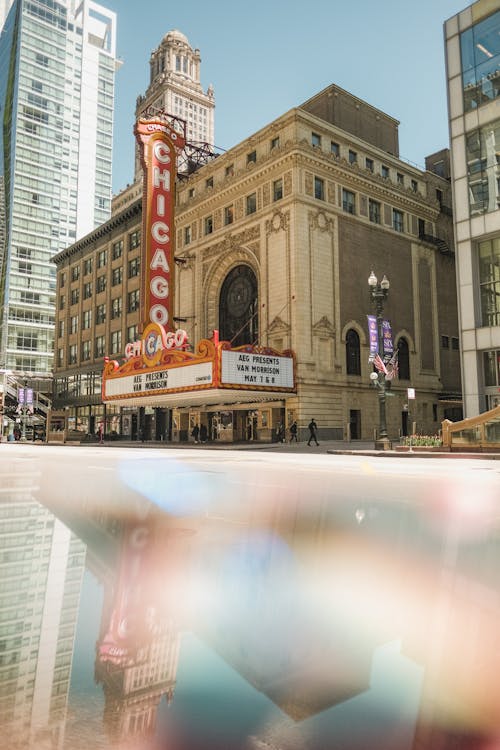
(57, 138)
(480, 50)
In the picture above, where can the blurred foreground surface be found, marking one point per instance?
(193, 600)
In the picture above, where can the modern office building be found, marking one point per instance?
(41, 568)
(472, 40)
(175, 88)
(275, 241)
(4, 10)
(57, 71)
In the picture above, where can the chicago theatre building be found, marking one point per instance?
(261, 316)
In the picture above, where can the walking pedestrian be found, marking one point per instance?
(195, 432)
(293, 432)
(203, 433)
(312, 432)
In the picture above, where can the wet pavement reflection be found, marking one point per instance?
(188, 603)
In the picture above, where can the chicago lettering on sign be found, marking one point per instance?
(159, 143)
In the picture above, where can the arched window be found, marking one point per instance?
(238, 311)
(352, 353)
(403, 359)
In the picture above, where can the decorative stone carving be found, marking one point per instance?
(319, 221)
(278, 325)
(278, 223)
(323, 327)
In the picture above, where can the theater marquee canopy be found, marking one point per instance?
(158, 372)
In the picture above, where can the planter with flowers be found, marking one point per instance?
(421, 443)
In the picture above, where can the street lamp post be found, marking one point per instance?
(379, 292)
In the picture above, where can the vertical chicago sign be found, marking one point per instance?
(159, 144)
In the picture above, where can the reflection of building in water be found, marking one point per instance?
(41, 568)
(138, 650)
(133, 689)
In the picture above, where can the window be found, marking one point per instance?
(117, 249)
(369, 164)
(454, 343)
(27, 340)
(100, 346)
(116, 342)
(319, 188)
(85, 350)
(191, 193)
(491, 365)
(252, 157)
(421, 228)
(348, 201)
(403, 359)
(209, 225)
(73, 354)
(384, 171)
(100, 314)
(116, 276)
(73, 324)
(445, 342)
(400, 178)
(132, 333)
(116, 308)
(334, 148)
(87, 290)
(61, 329)
(489, 281)
(374, 211)
(228, 215)
(414, 186)
(134, 239)
(102, 258)
(353, 157)
(278, 190)
(397, 220)
(101, 284)
(275, 142)
(86, 320)
(480, 52)
(251, 203)
(75, 296)
(75, 273)
(187, 235)
(61, 302)
(352, 351)
(60, 357)
(134, 266)
(87, 266)
(133, 301)
(62, 277)
(209, 182)
(230, 170)
(315, 140)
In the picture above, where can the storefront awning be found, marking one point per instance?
(220, 397)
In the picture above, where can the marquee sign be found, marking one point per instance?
(159, 143)
(156, 367)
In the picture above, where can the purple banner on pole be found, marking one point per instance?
(373, 334)
(20, 395)
(29, 396)
(387, 343)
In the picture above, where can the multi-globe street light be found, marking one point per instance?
(379, 292)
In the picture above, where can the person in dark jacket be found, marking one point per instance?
(293, 432)
(195, 432)
(312, 432)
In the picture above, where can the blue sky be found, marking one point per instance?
(265, 57)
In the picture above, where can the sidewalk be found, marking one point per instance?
(331, 447)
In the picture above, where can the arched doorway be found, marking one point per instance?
(238, 311)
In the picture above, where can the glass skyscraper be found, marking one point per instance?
(57, 71)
